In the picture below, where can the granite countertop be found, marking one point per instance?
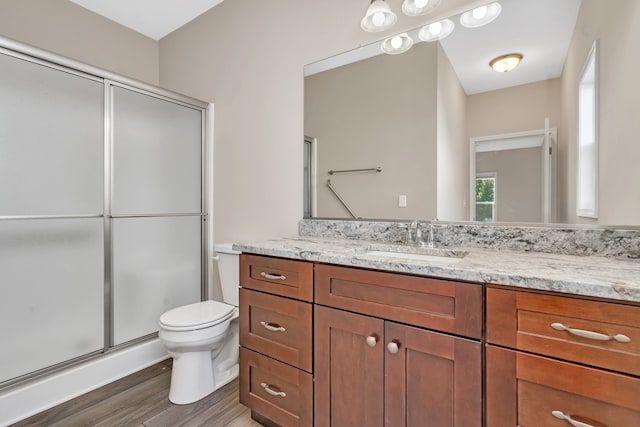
(580, 275)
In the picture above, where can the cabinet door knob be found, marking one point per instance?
(571, 421)
(372, 340)
(272, 327)
(590, 335)
(273, 276)
(268, 389)
(393, 346)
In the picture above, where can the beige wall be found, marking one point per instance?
(247, 56)
(453, 146)
(515, 109)
(67, 29)
(518, 182)
(618, 33)
(376, 112)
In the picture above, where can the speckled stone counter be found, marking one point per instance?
(580, 275)
(556, 239)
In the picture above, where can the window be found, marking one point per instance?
(486, 197)
(587, 178)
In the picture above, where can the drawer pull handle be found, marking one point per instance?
(273, 276)
(272, 327)
(393, 346)
(574, 423)
(589, 334)
(272, 392)
(372, 340)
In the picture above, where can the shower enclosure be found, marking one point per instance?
(102, 210)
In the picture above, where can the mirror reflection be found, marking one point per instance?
(439, 122)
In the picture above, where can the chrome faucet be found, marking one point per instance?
(414, 235)
(430, 239)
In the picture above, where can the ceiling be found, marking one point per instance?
(541, 30)
(153, 18)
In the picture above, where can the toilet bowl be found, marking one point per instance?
(202, 338)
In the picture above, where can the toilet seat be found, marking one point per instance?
(196, 316)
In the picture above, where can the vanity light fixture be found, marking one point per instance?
(379, 17)
(397, 44)
(480, 15)
(436, 30)
(419, 7)
(506, 63)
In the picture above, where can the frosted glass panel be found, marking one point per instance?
(51, 139)
(156, 267)
(157, 155)
(52, 287)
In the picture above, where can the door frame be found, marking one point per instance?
(503, 142)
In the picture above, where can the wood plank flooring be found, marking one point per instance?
(141, 400)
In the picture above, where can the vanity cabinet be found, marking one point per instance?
(327, 345)
(276, 339)
(561, 361)
(372, 368)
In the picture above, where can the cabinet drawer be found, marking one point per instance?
(278, 327)
(431, 303)
(566, 328)
(527, 390)
(288, 278)
(277, 391)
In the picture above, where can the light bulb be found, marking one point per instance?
(435, 28)
(421, 3)
(378, 19)
(396, 42)
(479, 12)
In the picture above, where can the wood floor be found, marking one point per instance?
(141, 399)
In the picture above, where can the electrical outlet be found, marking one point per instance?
(402, 201)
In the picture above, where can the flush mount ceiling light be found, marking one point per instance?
(397, 44)
(418, 7)
(378, 17)
(436, 30)
(506, 63)
(480, 15)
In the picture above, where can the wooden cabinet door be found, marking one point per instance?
(534, 391)
(431, 379)
(349, 352)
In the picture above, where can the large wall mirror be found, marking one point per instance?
(422, 134)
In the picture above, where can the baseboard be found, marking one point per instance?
(24, 401)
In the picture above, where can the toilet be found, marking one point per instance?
(202, 338)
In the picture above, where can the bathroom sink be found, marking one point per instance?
(415, 256)
(418, 253)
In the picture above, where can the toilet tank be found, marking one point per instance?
(229, 272)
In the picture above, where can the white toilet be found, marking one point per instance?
(202, 338)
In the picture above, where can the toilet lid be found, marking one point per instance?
(196, 316)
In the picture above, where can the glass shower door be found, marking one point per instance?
(51, 216)
(157, 210)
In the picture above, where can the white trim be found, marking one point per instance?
(511, 143)
(22, 402)
(592, 56)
